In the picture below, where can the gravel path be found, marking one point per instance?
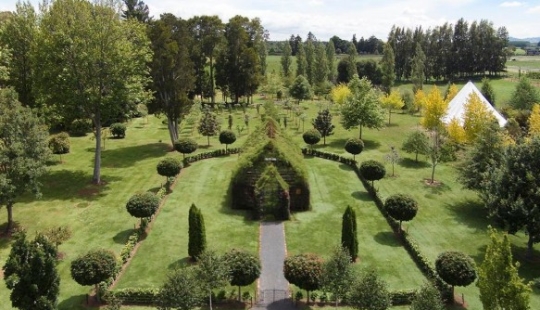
(273, 287)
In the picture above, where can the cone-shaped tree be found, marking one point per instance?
(197, 234)
(349, 236)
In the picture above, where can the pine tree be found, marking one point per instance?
(30, 273)
(487, 91)
(197, 234)
(498, 279)
(349, 236)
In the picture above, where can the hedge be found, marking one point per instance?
(409, 244)
(136, 296)
(217, 153)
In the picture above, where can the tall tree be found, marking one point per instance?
(310, 61)
(286, 60)
(331, 59)
(320, 75)
(388, 68)
(487, 91)
(418, 75)
(351, 59)
(23, 153)
(301, 89)
(338, 274)
(323, 123)
(101, 73)
(362, 108)
(301, 62)
(19, 34)
(172, 69)
(212, 272)
(485, 153)
(475, 117)
(30, 273)
(197, 233)
(511, 194)
(349, 233)
(498, 279)
(136, 9)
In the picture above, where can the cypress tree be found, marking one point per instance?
(349, 239)
(197, 234)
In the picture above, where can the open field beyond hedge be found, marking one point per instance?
(449, 217)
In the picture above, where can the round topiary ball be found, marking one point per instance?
(372, 170)
(143, 205)
(227, 137)
(169, 167)
(456, 268)
(401, 207)
(186, 145)
(354, 146)
(312, 136)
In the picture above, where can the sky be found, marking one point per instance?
(365, 18)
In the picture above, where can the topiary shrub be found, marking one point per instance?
(118, 130)
(60, 144)
(227, 137)
(185, 146)
(169, 168)
(456, 268)
(143, 205)
(80, 127)
(312, 137)
(354, 146)
(304, 271)
(401, 207)
(94, 267)
(372, 170)
(245, 268)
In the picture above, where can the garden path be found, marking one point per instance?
(273, 287)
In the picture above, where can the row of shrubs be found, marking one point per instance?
(217, 153)
(398, 298)
(81, 127)
(410, 245)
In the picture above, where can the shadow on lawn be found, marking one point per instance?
(122, 237)
(387, 238)
(411, 163)
(75, 302)
(181, 263)
(469, 212)
(363, 196)
(70, 184)
(128, 156)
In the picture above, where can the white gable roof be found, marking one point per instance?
(456, 107)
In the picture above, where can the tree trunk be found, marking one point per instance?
(210, 299)
(393, 168)
(360, 134)
(9, 208)
(213, 100)
(530, 244)
(96, 179)
(324, 140)
(400, 230)
(239, 296)
(208, 137)
(97, 294)
(433, 172)
(416, 158)
(389, 115)
(172, 132)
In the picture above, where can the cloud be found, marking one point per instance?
(535, 9)
(511, 4)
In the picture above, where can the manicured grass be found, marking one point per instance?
(95, 214)
(333, 186)
(204, 183)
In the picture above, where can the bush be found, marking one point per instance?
(80, 127)
(401, 207)
(118, 130)
(354, 146)
(94, 267)
(456, 268)
(169, 167)
(304, 271)
(227, 137)
(186, 146)
(143, 205)
(311, 137)
(59, 143)
(372, 170)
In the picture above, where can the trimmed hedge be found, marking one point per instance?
(217, 153)
(136, 296)
(409, 244)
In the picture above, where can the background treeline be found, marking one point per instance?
(452, 52)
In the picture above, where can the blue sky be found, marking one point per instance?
(361, 17)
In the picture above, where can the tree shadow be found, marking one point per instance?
(345, 167)
(469, 212)
(122, 237)
(363, 196)
(181, 263)
(71, 184)
(128, 156)
(387, 238)
(411, 163)
(75, 302)
(436, 188)
(371, 144)
(336, 143)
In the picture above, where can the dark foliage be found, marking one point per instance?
(118, 130)
(143, 205)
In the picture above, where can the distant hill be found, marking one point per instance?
(532, 40)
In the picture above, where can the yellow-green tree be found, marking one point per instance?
(455, 131)
(339, 93)
(451, 92)
(534, 121)
(419, 99)
(392, 101)
(476, 116)
(498, 279)
(434, 108)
